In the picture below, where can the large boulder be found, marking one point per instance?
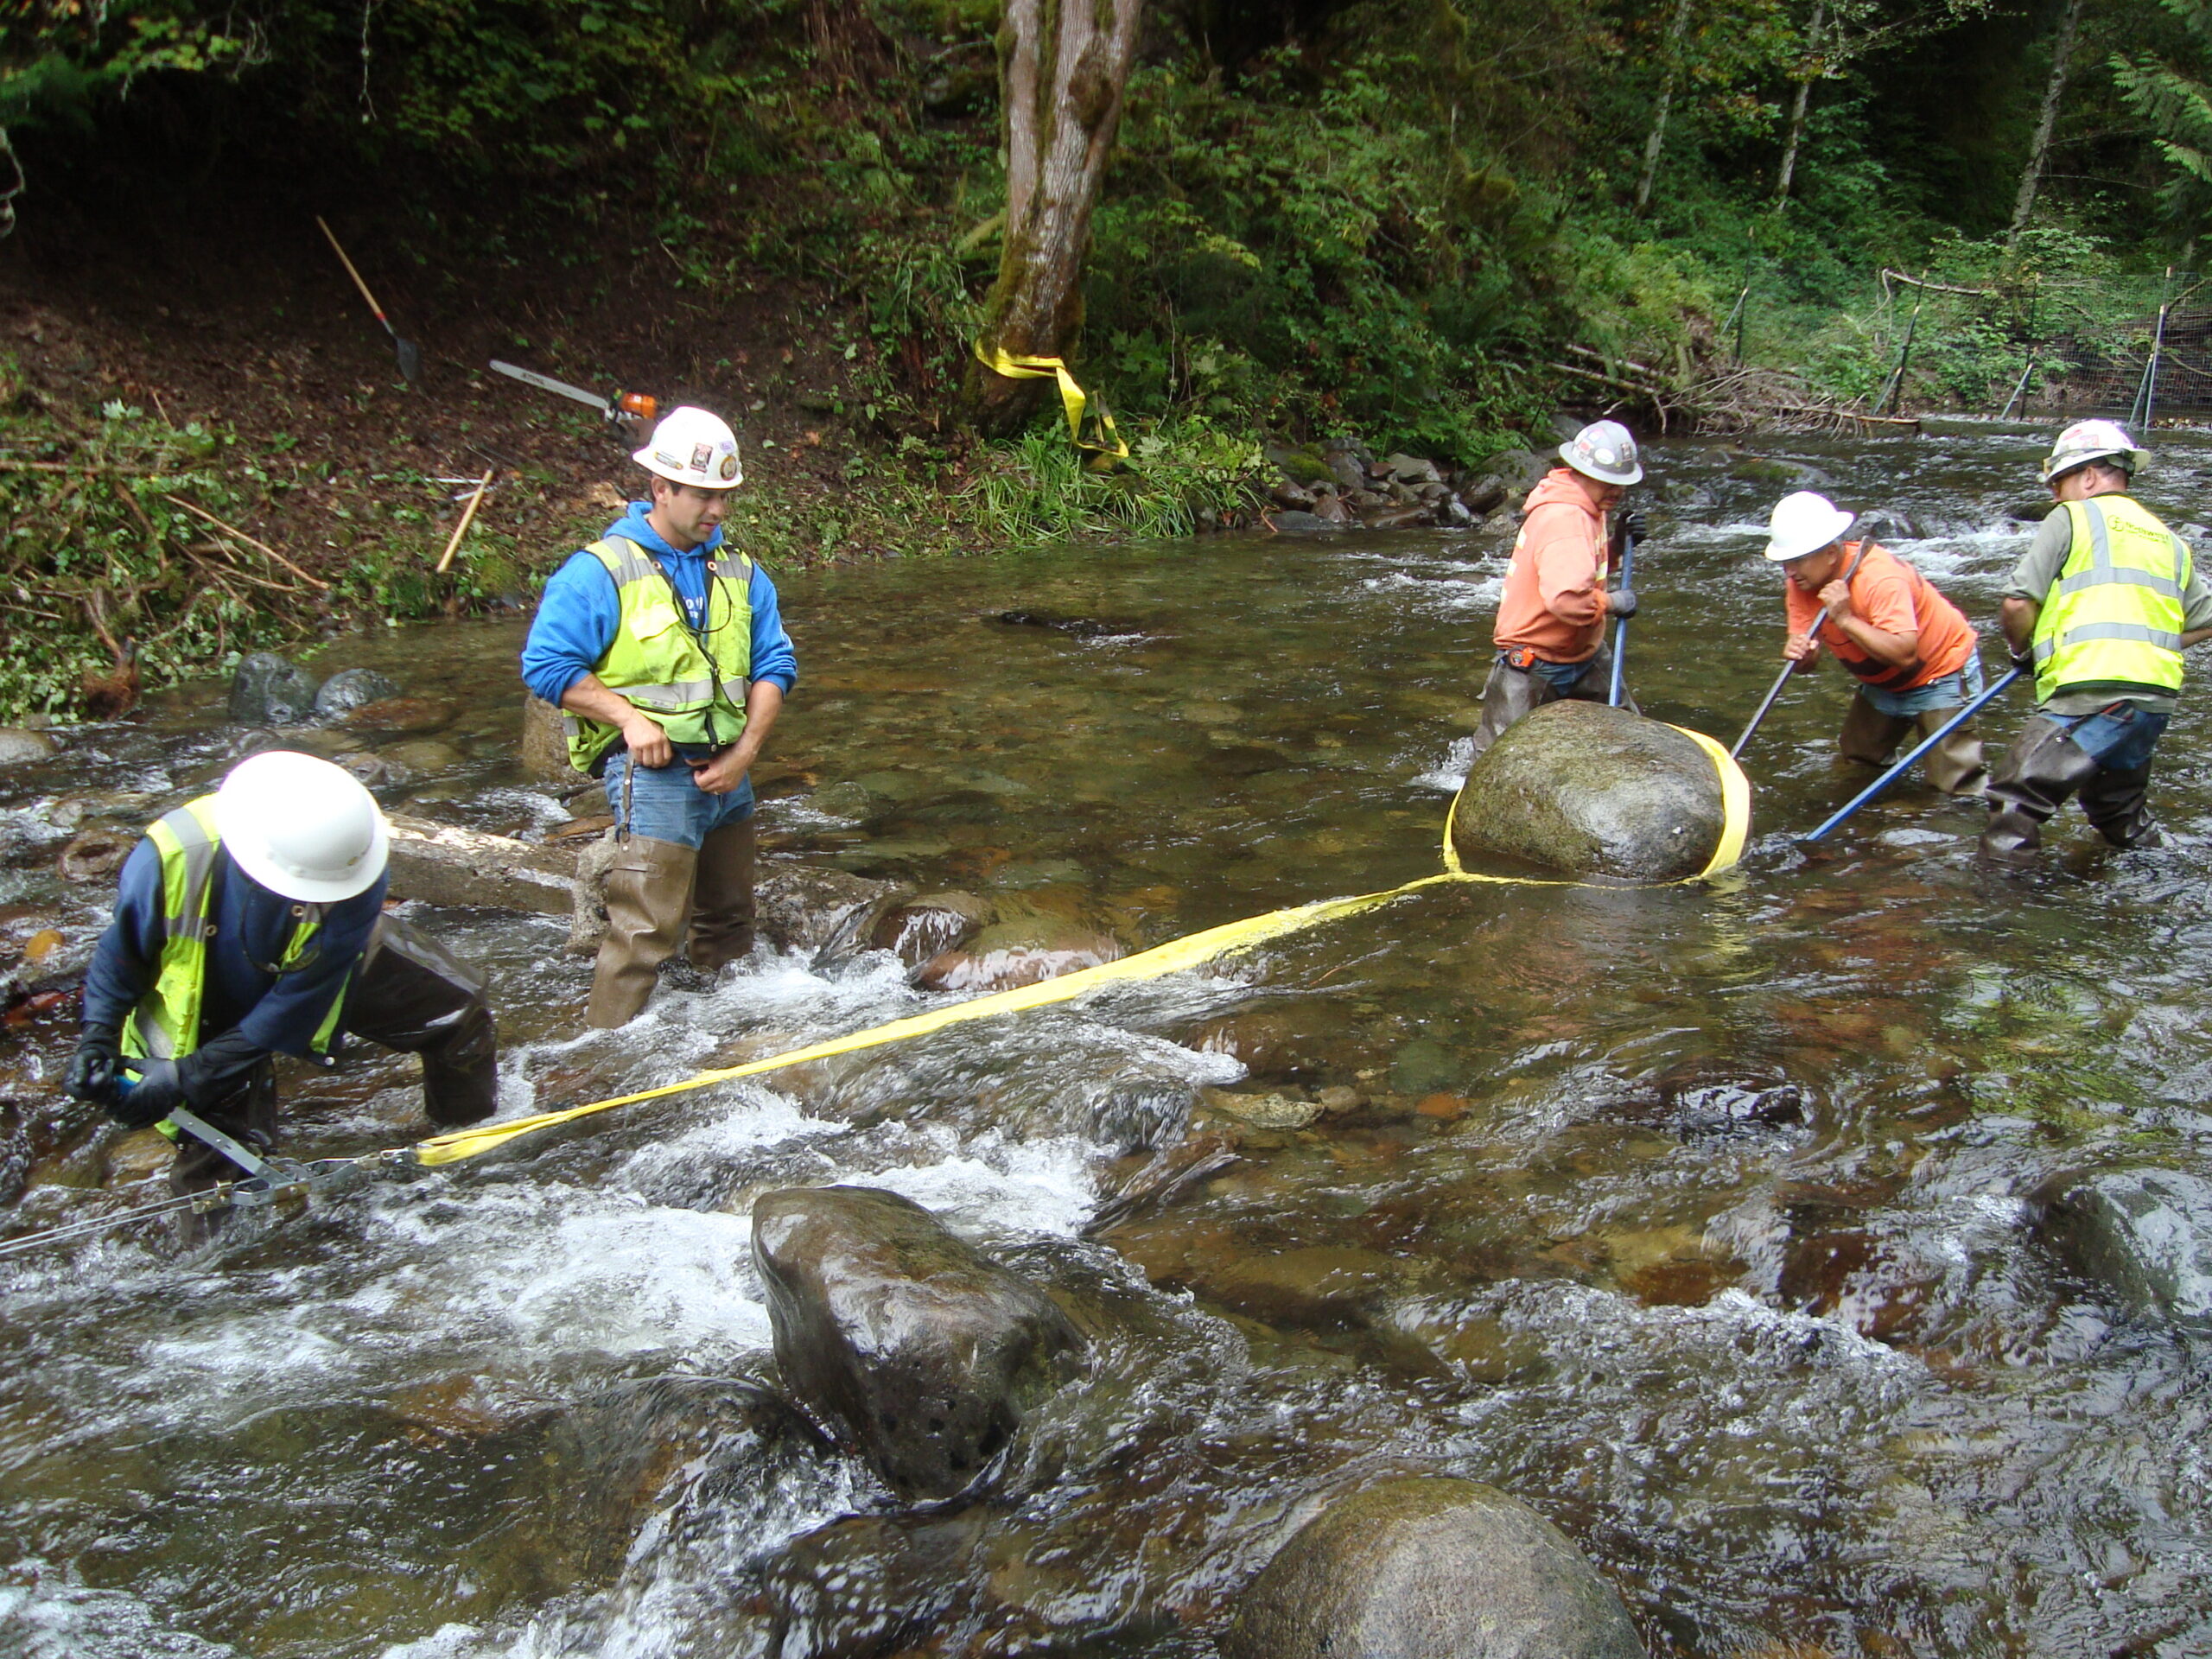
(1438, 1567)
(2144, 1232)
(266, 690)
(1594, 791)
(900, 1339)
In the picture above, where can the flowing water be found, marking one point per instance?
(1702, 1219)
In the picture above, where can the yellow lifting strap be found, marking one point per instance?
(1191, 951)
(1110, 448)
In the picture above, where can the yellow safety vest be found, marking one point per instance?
(2114, 614)
(165, 1025)
(659, 663)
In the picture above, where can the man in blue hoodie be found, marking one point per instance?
(667, 652)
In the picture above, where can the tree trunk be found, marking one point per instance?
(1797, 108)
(2061, 53)
(1063, 66)
(1657, 140)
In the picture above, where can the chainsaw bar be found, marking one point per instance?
(546, 382)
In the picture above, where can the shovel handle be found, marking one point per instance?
(467, 519)
(355, 275)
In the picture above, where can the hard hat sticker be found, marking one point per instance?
(729, 466)
(701, 454)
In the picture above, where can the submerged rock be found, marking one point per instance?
(1016, 951)
(17, 746)
(96, 855)
(266, 690)
(634, 1468)
(830, 914)
(348, 689)
(901, 1338)
(926, 926)
(1438, 1567)
(1593, 790)
(2146, 1232)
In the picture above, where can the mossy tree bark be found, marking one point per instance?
(1063, 66)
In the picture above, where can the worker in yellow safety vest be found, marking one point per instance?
(248, 923)
(666, 648)
(2100, 607)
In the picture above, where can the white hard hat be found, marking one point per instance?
(694, 446)
(301, 827)
(1804, 523)
(1604, 451)
(2088, 441)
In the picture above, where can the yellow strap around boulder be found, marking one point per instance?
(1000, 361)
(1175, 957)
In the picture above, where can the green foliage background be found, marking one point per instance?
(1322, 215)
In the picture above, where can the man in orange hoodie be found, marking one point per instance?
(1551, 623)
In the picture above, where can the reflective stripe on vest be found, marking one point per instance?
(165, 1024)
(659, 663)
(2114, 616)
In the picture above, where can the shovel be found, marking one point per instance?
(410, 354)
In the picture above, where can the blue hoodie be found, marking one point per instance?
(577, 617)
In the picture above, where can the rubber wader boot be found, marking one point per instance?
(2032, 783)
(722, 898)
(413, 995)
(1955, 766)
(648, 902)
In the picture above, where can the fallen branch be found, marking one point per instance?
(199, 512)
(233, 566)
(136, 511)
(1889, 277)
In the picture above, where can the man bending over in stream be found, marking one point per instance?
(1550, 635)
(667, 650)
(249, 924)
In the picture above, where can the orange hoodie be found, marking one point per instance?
(1555, 600)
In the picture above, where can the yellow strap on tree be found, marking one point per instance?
(1176, 956)
(1000, 361)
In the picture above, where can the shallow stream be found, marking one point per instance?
(1700, 1218)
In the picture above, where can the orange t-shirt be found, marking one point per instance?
(1889, 594)
(1555, 598)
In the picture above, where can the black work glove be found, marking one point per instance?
(215, 1071)
(1630, 525)
(2024, 659)
(1620, 604)
(91, 1075)
(156, 1095)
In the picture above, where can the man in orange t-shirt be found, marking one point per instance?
(1912, 652)
(1550, 635)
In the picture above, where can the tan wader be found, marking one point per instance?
(655, 889)
(1955, 766)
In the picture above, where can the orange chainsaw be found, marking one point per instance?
(630, 410)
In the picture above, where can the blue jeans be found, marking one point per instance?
(2119, 739)
(1952, 692)
(663, 802)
